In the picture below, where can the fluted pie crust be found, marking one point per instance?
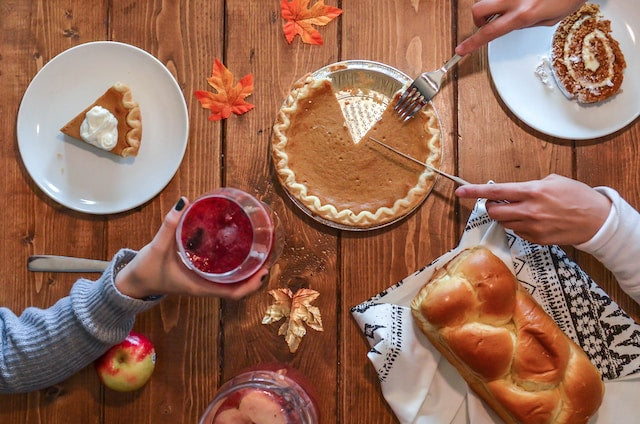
(119, 101)
(361, 184)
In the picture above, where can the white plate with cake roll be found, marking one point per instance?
(576, 80)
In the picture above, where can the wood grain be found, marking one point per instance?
(411, 38)
(202, 343)
(256, 44)
(33, 33)
(185, 331)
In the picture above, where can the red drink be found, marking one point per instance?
(217, 236)
(267, 394)
(227, 235)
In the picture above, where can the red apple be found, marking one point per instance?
(128, 365)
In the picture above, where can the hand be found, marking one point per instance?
(514, 14)
(157, 269)
(554, 210)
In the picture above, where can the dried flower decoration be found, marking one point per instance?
(297, 310)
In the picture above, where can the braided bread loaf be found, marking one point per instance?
(510, 352)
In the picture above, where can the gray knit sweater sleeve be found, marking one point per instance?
(42, 347)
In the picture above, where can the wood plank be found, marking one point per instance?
(33, 33)
(413, 37)
(256, 44)
(494, 143)
(184, 330)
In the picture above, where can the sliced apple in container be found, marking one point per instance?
(232, 416)
(253, 407)
(263, 408)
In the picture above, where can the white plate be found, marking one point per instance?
(80, 176)
(512, 62)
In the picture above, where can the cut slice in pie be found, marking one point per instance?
(117, 100)
(355, 184)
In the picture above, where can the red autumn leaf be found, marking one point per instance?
(299, 19)
(227, 98)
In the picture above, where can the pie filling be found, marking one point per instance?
(118, 100)
(358, 184)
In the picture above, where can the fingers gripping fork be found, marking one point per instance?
(423, 89)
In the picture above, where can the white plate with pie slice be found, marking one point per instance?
(514, 57)
(78, 175)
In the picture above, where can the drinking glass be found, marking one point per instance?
(227, 235)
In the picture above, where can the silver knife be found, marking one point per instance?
(53, 263)
(457, 180)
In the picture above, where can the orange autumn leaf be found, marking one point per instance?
(228, 97)
(299, 19)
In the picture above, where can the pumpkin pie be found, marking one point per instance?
(586, 60)
(355, 183)
(117, 100)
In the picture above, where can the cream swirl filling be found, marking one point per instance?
(588, 56)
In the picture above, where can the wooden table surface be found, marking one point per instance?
(203, 342)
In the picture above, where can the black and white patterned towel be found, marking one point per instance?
(422, 388)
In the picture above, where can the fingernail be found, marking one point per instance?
(180, 204)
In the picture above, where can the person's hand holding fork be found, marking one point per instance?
(514, 14)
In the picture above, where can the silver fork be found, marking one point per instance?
(425, 87)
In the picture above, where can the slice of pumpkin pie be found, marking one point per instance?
(112, 123)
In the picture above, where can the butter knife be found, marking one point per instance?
(453, 178)
(53, 263)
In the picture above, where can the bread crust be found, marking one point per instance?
(510, 352)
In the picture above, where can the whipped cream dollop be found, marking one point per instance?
(100, 128)
(543, 71)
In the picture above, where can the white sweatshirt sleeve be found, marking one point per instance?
(617, 243)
